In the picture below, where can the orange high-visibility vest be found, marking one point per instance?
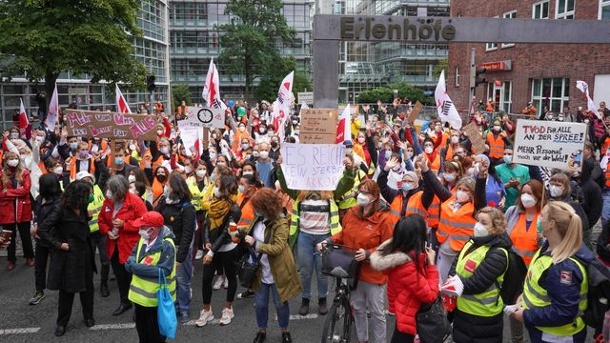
(449, 152)
(434, 212)
(415, 206)
(605, 145)
(435, 165)
(525, 242)
(496, 145)
(154, 164)
(458, 226)
(73, 167)
(607, 176)
(247, 211)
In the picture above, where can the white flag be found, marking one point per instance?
(211, 89)
(344, 129)
(121, 103)
(281, 110)
(304, 105)
(584, 87)
(53, 112)
(445, 107)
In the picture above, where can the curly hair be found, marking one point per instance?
(267, 202)
(76, 195)
(498, 222)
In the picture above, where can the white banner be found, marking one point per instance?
(204, 117)
(312, 166)
(550, 144)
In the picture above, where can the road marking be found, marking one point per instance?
(299, 317)
(113, 326)
(18, 331)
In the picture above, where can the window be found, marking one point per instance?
(540, 10)
(509, 15)
(553, 94)
(565, 9)
(507, 103)
(604, 9)
(457, 76)
(491, 46)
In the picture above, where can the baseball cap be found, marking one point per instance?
(83, 174)
(149, 219)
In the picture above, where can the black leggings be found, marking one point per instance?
(227, 260)
(123, 278)
(400, 337)
(40, 266)
(26, 240)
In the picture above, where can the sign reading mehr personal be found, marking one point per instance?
(110, 125)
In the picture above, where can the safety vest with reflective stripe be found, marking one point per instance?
(73, 171)
(195, 192)
(536, 296)
(94, 208)
(335, 226)
(434, 212)
(414, 206)
(143, 290)
(456, 226)
(349, 202)
(247, 211)
(435, 165)
(496, 145)
(487, 303)
(525, 241)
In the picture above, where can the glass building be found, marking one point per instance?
(152, 50)
(194, 41)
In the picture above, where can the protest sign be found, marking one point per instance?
(110, 125)
(190, 135)
(549, 144)
(205, 117)
(415, 111)
(318, 126)
(312, 166)
(477, 141)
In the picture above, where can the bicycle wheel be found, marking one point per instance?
(337, 325)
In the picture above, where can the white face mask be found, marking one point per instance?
(188, 169)
(39, 139)
(73, 145)
(496, 128)
(159, 132)
(247, 173)
(200, 173)
(12, 163)
(212, 156)
(508, 159)
(462, 196)
(58, 170)
(449, 177)
(409, 155)
(132, 147)
(131, 178)
(144, 233)
(361, 140)
(527, 200)
(264, 154)
(388, 154)
(164, 150)
(555, 191)
(428, 150)
(216, 191)
(455, 139)
(109, 194)
(363, 200)
(480, 230)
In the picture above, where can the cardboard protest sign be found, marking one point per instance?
(318, 126)
(205, 117)
(550, 144)
(312, 166)
(110, 125)
(477, 141)
(415, 111)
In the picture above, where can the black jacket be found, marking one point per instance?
(220, 236)
(42, 211)
(180, 217)
(591, 192)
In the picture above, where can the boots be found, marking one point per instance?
(104, 284)
(304, 310)
(322, 308)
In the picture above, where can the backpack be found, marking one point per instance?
(598, 295)
(514, 278)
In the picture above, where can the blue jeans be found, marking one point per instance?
(309, 260)
(184, 292)
(261, 306)
(606, 207)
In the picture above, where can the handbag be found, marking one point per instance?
(166, 313)
(338, 261)
(248, 267)
(432, 323)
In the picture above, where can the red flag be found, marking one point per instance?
(344, 128)
(23, 118)
(121, 104)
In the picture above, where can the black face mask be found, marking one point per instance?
(161, 177)
(274, 145)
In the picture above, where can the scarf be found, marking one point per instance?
(219, 208)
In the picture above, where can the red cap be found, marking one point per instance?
(150, 219)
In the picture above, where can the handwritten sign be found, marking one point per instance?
(110, 125)
(415, 111)
(318, 126)
(477, 141)
(205, 117)
(312, 166)
(549, 144)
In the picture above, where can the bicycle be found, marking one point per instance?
(340, 318)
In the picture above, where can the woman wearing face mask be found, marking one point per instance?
(158, 181)
(452, 172)
(16, 214)
(495, 193)
(407, 199)
(120, 209)
(453, 143)
(197, 184)
(497, 141)
(561, 189)
(179, 215)
(221, 209)
(262, 134)
(457, 212)
(521, 227)
(555, 291)
(249, 184)
(366, 226)
(480, 267)
(361, 149)
(432, 156)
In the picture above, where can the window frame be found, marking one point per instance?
(566, 13)
(510, 16)
(541, 4)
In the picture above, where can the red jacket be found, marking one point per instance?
(133, 208)
(368, 234)
(407, 288)
(15, 203)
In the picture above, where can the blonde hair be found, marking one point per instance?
(498, 221)
(569, 227)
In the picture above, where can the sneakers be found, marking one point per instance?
(322, 308)
(286, 338)
(304, 310)
(199, 255)
(38, 296)
(227, 315)
(219, 282)
(245, 294)
(205, 317)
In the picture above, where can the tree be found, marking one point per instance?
(270, 82)
(249, 44)
(42, 38)
(386, 94)
(180, 93)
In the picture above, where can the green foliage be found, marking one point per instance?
(249, 44)
(45, 37)
(180, 93)
(270, 81)
(442, 65)
(386, 94)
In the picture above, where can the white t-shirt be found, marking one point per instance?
(258, 232)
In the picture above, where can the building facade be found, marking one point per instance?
(194, 42)
(545, 74)
(152, 50)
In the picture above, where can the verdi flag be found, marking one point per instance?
(444, 106)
